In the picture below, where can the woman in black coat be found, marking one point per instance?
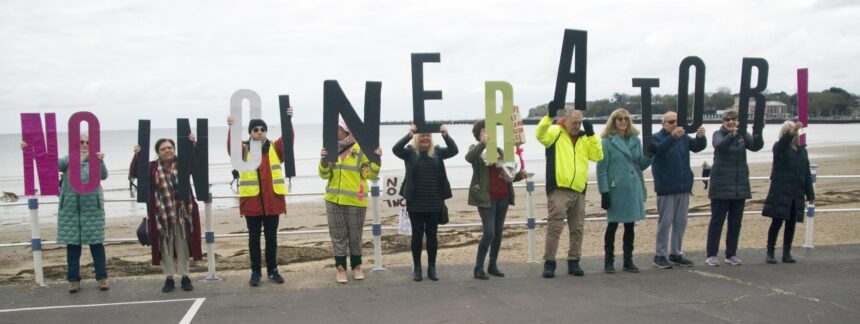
(425, 188)
(790, 186)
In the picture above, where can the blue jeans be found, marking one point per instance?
(73, 259)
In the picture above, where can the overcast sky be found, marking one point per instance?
(160, 60)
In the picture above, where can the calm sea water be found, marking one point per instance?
(117, 146)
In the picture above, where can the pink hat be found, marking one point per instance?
(342, 123)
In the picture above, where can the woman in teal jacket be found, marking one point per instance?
(81, 220)
(622, 188)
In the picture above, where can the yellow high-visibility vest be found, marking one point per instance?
(249, 182)
(347, 182)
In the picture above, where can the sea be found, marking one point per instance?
(117, 147)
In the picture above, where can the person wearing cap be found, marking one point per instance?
(346, 199)
(569, 149)
(261, 198)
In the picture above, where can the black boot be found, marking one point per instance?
(186, 283)
(169, 285)
(609, 259)
(786, 255)
(574, 269)
(431, 272)
(770, 255)
(494, 270)
(548, 269)
(628, 260)
(480, 274)
(416, 269)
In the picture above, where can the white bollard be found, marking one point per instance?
(377, 227)
(810, 211)
(36, 241)
(530, 187)
(210, 241)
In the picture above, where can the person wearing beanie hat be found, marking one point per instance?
(261, 198)
(346, 199)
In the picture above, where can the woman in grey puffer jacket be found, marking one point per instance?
(730, 186)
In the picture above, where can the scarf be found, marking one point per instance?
(173, 217)
(344, 145)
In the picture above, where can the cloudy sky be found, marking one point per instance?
(160, 60)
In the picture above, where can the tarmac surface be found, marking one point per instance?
(824, 287)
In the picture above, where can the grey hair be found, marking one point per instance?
(663, 119)
(569, 111)
(786, 127)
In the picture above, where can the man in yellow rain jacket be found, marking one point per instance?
(346, 198)
(569, 149)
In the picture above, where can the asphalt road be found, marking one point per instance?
(824, 287)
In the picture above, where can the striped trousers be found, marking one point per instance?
(345, 225)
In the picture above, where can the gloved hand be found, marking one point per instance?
(550, 111)
(604, 200)
(589, 128)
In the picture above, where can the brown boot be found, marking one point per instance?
(103, 285)
(74, 287)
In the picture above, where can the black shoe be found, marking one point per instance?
(574, 269)
(169, 285)
(680, 260)
(480, 274)
(661, 262)
(629, 266)
(494, 271)
(255, 279)
(770, 258)
(416, 275)
(275, 276)
(548, 269)
(186, 283)
(609, 263)
(787, 258)
(431, 273)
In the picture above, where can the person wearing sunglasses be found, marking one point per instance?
(673, 183)
(262, 198)
(81, 219)
(729, 187)
(621, 185)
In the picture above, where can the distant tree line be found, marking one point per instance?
(828, 103)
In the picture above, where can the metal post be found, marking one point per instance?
(377, 227)
(36, 241)
(210, 241)
(810, 211)
(530, 187)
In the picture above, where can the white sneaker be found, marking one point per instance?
(712, 261)
(735, 261)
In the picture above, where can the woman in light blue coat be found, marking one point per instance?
(622, 188)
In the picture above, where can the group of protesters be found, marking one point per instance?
(571, 143)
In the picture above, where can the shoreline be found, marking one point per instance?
(312, 252)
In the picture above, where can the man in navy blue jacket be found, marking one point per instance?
(673, 182)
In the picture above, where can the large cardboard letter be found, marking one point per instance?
(41, 147)
(803, 101)
(238, 128)
(193, 161)
(646, 85)
(683, 93)
(288, 136)
(494, 118)
(143, 161)
(419, 94)
(746, 92)
(74, 169)
(574, 41)
(366, 133)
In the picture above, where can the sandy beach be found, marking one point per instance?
(302, 253)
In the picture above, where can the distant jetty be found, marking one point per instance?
(656, 119)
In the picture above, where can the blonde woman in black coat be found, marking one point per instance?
(790, 186)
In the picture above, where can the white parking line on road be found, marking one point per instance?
(195, 306)
(192, 311)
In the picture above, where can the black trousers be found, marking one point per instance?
(269, 224)
(627, 239)
(424, 224)
(721, 209)
(776, 224)
(493, 224)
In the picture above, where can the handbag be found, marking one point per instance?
(443, 215)
(404, 226)
(142, 235)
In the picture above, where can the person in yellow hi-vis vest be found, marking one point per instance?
(346, 198)
(261, 198)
